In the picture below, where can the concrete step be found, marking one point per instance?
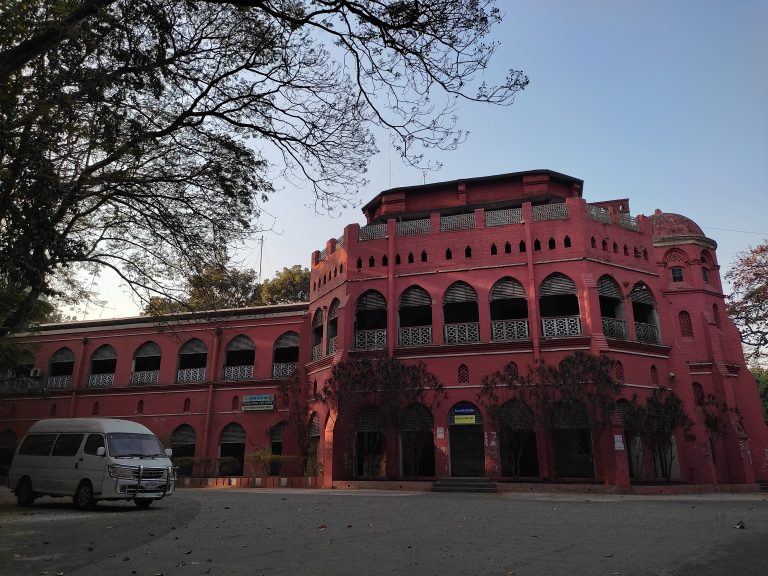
(453, 484)
(763, 485)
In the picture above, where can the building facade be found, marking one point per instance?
(467, 277)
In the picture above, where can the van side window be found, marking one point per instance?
(37, 445)
(67, 444)
(94, 442)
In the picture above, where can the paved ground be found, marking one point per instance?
(302, 532)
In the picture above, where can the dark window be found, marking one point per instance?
(536, 245)
(467, 252)
(359, 263)
(593, 242)
(705, 275)
(397, 259)
(677, 274)
(410, 257)
(67, 444)
(384, 260)
(493, 249)
(522, 246)
(448, 254)
(567, 242)
(552, 244)
(423, 256)
(94, 442)
(507, 248)
(371, 262)
(37, 445)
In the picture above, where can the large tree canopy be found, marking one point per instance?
(133, 133)
(748, 303)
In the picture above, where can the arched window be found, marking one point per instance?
(371, 321)
(493, 249)
(384, 260)
(518, 453)
(103, 363)
(521, 246)
(397, 259)
(235, 403)
(371, 262)
(626, 250)
(146, 364)
(370, 444)
(231, 450)
(140, 407)
(460, 314)
(95, 409)
(507, 248)
(333, 327)
(571, 441)
(241, 355)
(536, 245)
(567, 242)
(698, 394)
(686, 327)
(618, 372)
(410, 257)
(654, 375)
(313, 468)
(183, 447)
(285, 355)
(715, 314)
(193, 357)
(611, 308)
(593, 242)
(417, 442)
(60, 369)
(415, 317)
(463, 376)
(359, 263)
(448, 254)
(605, 244)
(615, 248)
(187, 406)
(644, 311)
(559, 307)
(509, 311)
(467, 252)
(423, 256)
(317, 334)
(552, 245)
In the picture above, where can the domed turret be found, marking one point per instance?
(667, 226)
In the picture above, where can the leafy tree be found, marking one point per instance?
(294, 396)
(133, 133)
(382, 382)
(288, 285)
(761, 376)
(748, 303)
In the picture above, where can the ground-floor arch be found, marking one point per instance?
(231, 450)
(417, 443)
(466, 440)
(518, 450)
(572, 441)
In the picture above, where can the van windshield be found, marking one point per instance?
(130, 445)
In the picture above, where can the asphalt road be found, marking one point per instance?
(303, 532)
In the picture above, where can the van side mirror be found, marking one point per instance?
(101, 451)
(168, 452)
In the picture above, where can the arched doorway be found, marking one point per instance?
(572, 441)
(417, 445)
(370, 444)
(517, 441)
(231, 450)
(183, 446)
(467, 447)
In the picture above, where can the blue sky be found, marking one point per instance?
(661, 102)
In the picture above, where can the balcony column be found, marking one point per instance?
(589, 310)
(438, 320)
(534, 316)
(391, 297)
(207, 424)
(77, 375)
(212, 368)
(629, 315)
(483, 299)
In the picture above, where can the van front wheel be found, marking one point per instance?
(25, 496)
(83, 498)
(142, 502)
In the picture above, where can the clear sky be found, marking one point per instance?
(662, 102)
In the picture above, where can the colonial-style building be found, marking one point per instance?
(467, 277)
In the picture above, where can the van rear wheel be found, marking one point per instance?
(83, 498)
(25, 496)
(142, 502)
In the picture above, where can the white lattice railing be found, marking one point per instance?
(232, 373)
(323, 254)
(101, 380)
(317, 352)
(462, 333)
(340, 242)
(647, 332)
(457, 222)
(614, 328)
(508, 330)
(561, 326)
(141, 377)
(59, 382)
(415, 336)
(371, 339)
(414, 227)
(332, 344)
(185, 375)
(599, 214)
(282, 370)
(373, 232)
(629, 222)
(550, 212)
(506, 216)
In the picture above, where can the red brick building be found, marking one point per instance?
(466, 277)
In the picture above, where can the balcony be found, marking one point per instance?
(101, 380)
(614, 328)
(647, 333)
(235, 373)
(509, 330)
(462, 333)
(144, 377)
(371, 339)
(283, 370)
(59, 382)
(332, 344)
(317, 352)
(415, 336)
(190, 375)
(561, 327)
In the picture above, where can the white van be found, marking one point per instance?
(91, 459)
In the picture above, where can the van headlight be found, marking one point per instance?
(117, 471)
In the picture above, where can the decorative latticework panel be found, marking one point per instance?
(502, 217)
(340, 242)
(414, 227)
(332, 343)
(317, 352)
(614, 328)
(101, 380)
(647, 332)
(144, 377)
(373, 232)
(508, 330)
(561, 326)
(599, 214)
(232, 373)
(686, 327)
(283, 369)
(371, 339)
(190, 375)
(457, 222)
(462, 333)
(59, 382)
(629, 222)
(416, 336)
(323, 254)
(550, 212)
